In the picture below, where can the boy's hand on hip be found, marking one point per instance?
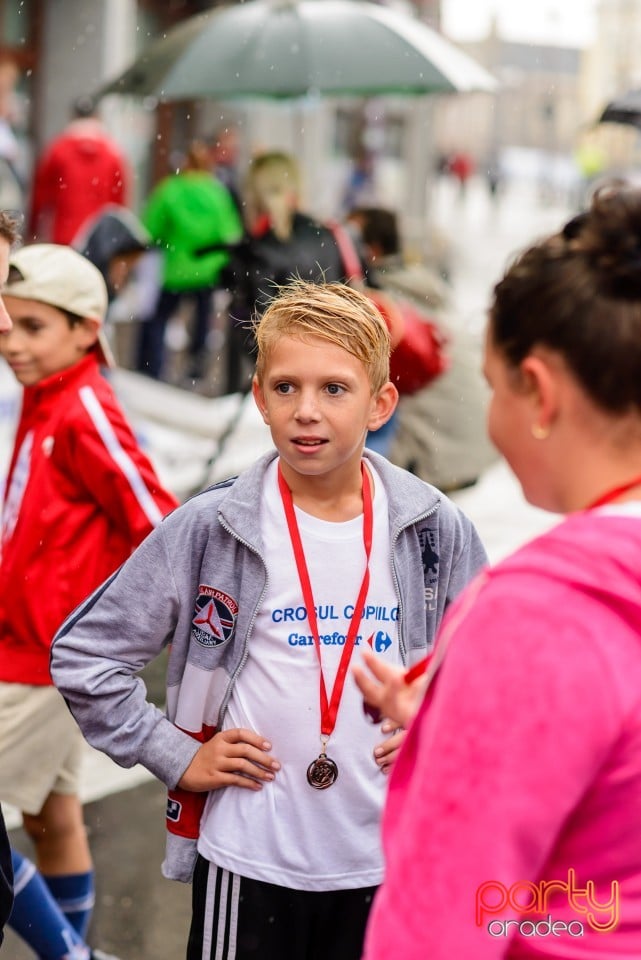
(232, 758)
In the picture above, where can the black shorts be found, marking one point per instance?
(239, 919)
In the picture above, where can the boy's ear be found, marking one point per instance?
(87, 333)
(384, 405)
(259, 399)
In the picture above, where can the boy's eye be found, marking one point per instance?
(334, 389)
(32, 326)
(283, 388)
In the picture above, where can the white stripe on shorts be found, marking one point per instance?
(208, 918)
(227, 901)
(233, 915)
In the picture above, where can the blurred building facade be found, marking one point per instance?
(612, 67)
(535, 108)
(618, 65)
(549, 96)
(64, 48)
(69, 47)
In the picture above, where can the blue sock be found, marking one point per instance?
(37, 918)
(74, 894)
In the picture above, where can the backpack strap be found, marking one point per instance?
(349, 254)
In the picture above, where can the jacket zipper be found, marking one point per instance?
(410, 523)
(250, 628)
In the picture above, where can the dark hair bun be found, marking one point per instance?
(609, 236)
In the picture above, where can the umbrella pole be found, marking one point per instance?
(223, 440)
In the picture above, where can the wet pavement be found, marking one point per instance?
(141, 916)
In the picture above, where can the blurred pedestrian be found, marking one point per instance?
(360, 188)
(12, 187)
(375, 233)
(234, 575)
(187, 212)
(81, 171)
(225, 159)
(438, 430)
(514, 807)
(494, 175)
(116, 242)
(80, 495)
(281, 243)
(112, 240)
(591, 162)
(461, 166)
(285, 242)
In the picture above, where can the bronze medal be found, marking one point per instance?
(322, 773)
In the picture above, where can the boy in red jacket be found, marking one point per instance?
(79, 496)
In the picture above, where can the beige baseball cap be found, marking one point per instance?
(63, 278)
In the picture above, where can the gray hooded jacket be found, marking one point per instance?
(210, 549)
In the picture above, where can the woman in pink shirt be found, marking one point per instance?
(513, 821)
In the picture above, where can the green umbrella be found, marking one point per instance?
(285, 48)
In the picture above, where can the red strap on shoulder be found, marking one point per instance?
(351, 260)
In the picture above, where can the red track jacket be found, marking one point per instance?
(80, 495)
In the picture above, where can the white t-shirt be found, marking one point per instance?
(289, 833)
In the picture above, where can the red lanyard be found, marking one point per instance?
(614, 493)
(329, 709)
(418, 669)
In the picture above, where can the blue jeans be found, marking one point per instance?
(151, 343)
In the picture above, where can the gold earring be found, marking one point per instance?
(539, 432)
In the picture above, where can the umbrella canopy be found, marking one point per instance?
(624, 109)
(290, 48)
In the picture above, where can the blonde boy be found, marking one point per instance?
(264, 585)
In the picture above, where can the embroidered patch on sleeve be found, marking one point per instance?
(214, 619)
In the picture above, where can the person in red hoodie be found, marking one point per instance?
(79, 496)
(81, 171)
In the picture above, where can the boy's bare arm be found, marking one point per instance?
(236, 757)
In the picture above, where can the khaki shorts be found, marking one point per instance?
(41, 747)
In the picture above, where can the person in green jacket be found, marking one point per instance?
(187, 211)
